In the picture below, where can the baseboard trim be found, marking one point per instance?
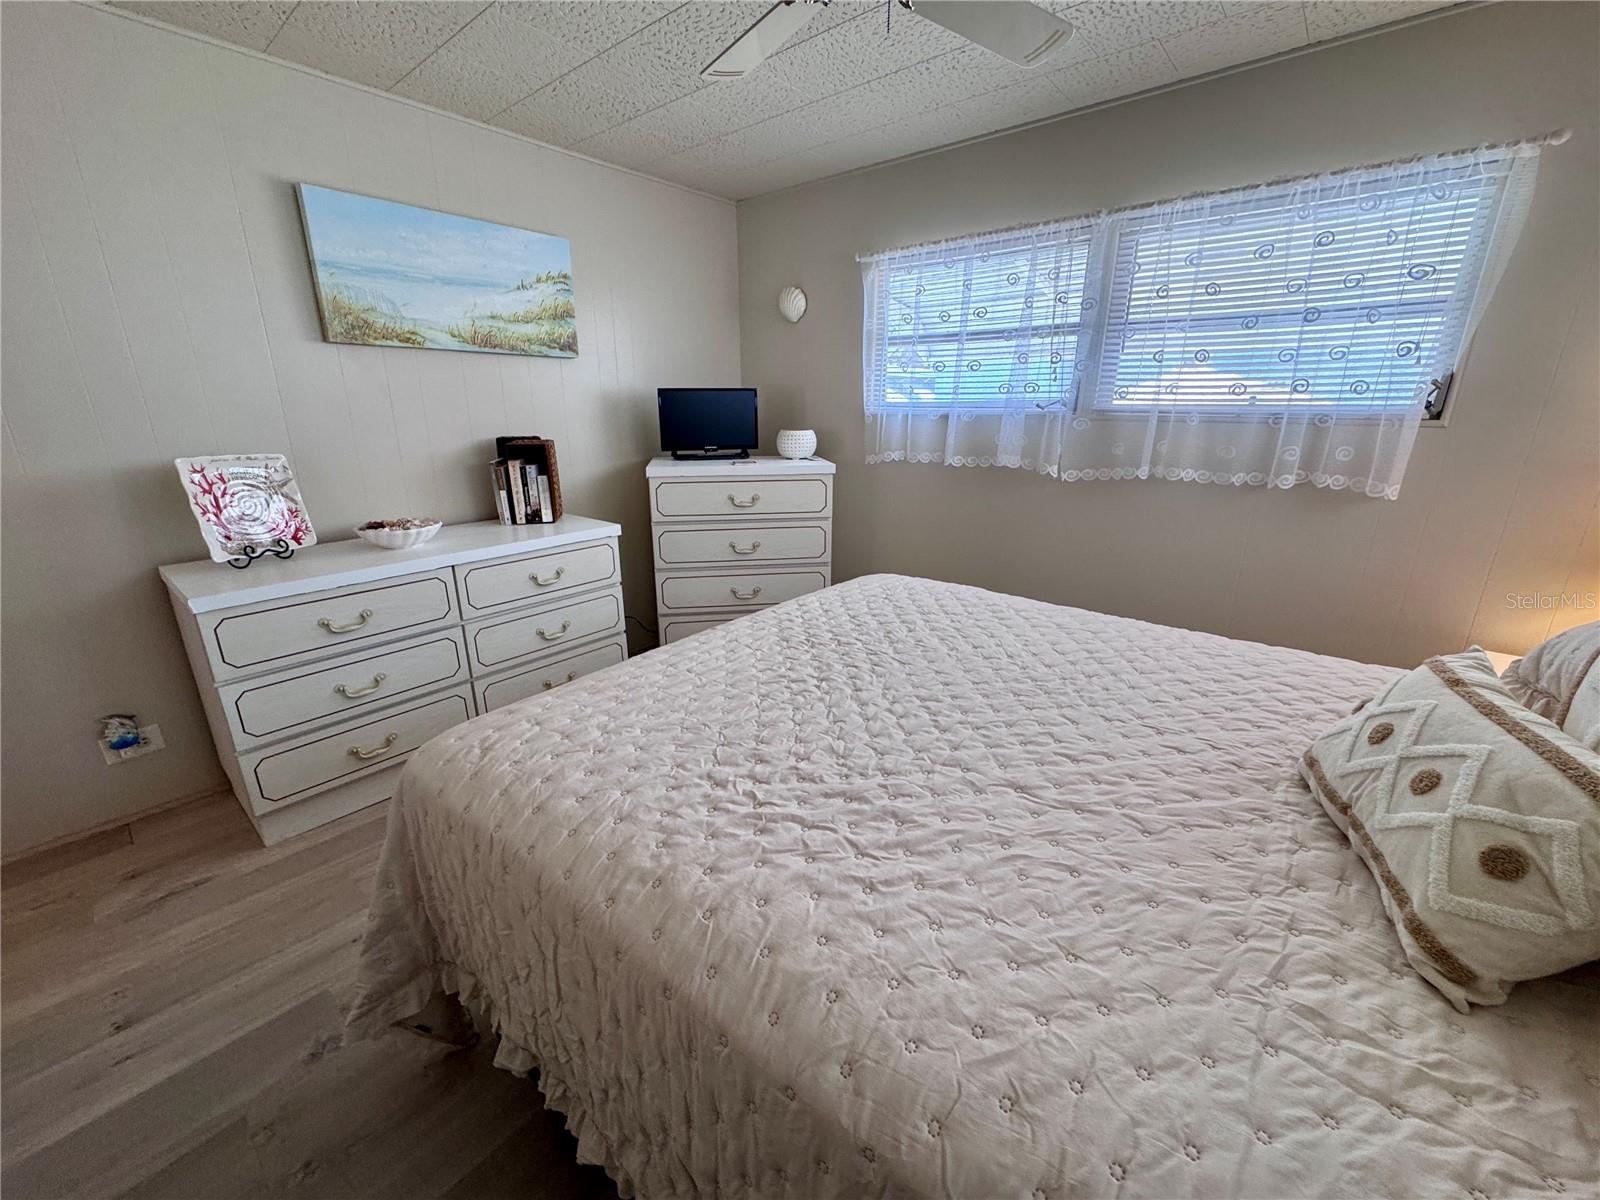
(67, 839)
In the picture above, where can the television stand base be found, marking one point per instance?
(708, 455)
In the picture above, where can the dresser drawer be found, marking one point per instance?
(537, 576)
(732, 545)
(676, 593)
(547, 677)
(735, 497)
(276, 635)
(675, 629)
(264, 708)
(295, 772)
(497, 643)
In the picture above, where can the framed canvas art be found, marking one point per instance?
(391, 274)
(247, 505)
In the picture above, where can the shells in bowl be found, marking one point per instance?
(399, 533)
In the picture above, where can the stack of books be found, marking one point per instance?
(527, 486)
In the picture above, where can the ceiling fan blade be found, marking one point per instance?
(1024, 33)
(761, 40)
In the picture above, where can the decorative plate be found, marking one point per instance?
(246, 504)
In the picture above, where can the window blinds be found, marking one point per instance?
(1278, 334)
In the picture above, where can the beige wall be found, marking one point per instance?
(1503, 500)
(157, 304)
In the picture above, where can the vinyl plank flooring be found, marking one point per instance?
(49, 863)
(172, 1031)
(535, 1159)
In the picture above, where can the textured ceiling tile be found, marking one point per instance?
(926, 93)
(1108, 25)
(244, 24)
(813, 125)
(775, 138)
(837, 13)
(1265, 29)
(1120, 74)
(620, 79)
(591, 99)
(923, 131)
(859, 51)
(371, 43)
(824, 17)
(771, 176)
(972, 70)
(1332, 18)
(594, 25)
(732, 104)
(910, 93)
(712, 112)
(816, 163)
(501, 57)
(654, 67)
(636, 144)
(705, 170)
(938, 83)
(1030, 100)
(681, 44)
(567, 111)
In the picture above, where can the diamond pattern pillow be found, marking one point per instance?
(1480, 820)
(1560, 679)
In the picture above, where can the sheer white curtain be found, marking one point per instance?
(1285, 333)
(968, 342)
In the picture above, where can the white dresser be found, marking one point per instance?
(736, 535)
(321, 674)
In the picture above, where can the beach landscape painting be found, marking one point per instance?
(391, 274)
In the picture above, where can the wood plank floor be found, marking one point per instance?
(170, 1010)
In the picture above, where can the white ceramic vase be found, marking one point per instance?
(797, 443)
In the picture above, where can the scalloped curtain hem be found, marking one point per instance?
(1332, 483)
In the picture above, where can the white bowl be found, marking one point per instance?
(400, 539)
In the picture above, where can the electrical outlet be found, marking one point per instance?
(150, 740)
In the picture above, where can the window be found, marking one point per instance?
(981, 322)
(1349, 292)
(1311, 307)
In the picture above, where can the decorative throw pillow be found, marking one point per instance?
(1559, 679)
(1480, 820)
(1583, 712)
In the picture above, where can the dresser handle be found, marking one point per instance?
(754, 546)
(362, 619)
(542, 582)
(350, 693)
(750, 503)
(551, 683)
(377, 751)
(560, 633)
(750, 595)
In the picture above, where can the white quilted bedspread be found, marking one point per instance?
(909, 888)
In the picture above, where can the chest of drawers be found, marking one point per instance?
(322, 674)
(734, 536)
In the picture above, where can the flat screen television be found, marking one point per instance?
(707, 422)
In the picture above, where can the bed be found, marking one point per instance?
(907, 888)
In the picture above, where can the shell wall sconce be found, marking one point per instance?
(792, 304)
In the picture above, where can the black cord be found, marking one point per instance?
(650, 629)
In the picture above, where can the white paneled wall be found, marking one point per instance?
(157, 303)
